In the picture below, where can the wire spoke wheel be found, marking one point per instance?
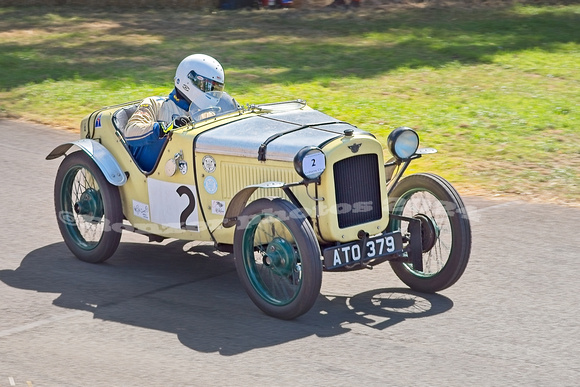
(84, 205)
(88, 209)
(278, 258)
(272, 259)
(436, 231)
(445, 231)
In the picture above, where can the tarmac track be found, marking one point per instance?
(174, 314)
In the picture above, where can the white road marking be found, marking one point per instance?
(32, 325)
(475, 213)
(498, 206)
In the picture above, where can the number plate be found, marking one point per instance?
(350, 253)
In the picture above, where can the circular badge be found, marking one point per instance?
(208, 163)
(210, 184)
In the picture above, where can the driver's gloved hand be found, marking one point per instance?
(181, 121)
(176, 123)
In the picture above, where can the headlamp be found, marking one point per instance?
(403, 142)
(310, 162)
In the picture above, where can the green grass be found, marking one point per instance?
(496, 90)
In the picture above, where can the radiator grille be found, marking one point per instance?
(357, 188)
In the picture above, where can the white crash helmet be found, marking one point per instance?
(200, 78)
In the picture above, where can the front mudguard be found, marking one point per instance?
(99, 154)
(239, 201)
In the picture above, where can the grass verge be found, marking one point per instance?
(495, 89)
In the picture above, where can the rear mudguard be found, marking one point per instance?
(99, 154)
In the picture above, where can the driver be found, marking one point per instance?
(199, 81)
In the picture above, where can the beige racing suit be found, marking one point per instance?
(144, 130)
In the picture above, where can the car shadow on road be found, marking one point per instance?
(193, 292)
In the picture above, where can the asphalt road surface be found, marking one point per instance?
(174, 314)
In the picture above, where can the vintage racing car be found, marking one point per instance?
(291, 191)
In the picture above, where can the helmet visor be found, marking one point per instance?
(204, 84)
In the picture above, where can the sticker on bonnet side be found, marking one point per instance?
(173, 205)
(141, 210)
(218, 207)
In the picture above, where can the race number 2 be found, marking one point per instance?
(173, 205)
(183, 190)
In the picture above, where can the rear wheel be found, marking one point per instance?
(278, 258)
(445, 231)
(88, 209)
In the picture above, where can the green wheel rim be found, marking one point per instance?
(82, 208)
(272, 260)
(424, 202)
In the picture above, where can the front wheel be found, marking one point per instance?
(88, 209)
(445, 231)
(278, 258)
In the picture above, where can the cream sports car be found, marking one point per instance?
(291, 191)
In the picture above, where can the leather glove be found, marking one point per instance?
(181, 121)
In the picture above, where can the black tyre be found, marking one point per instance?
(445, 229)
(278, 258)
(88, 209)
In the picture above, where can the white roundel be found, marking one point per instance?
(310, 162)
(210, 184)
(208, 163)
